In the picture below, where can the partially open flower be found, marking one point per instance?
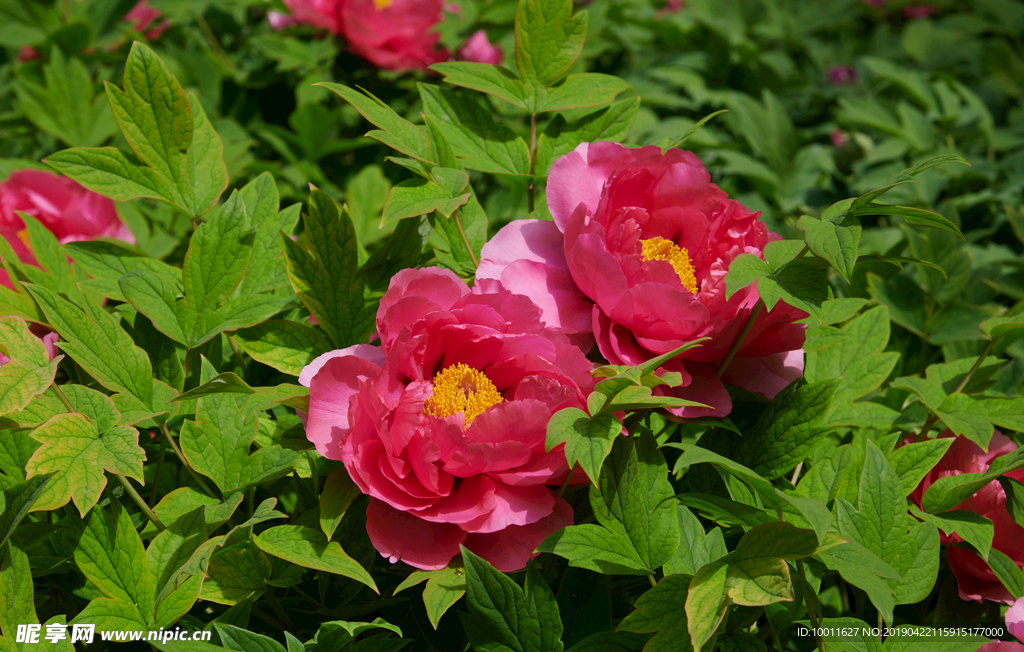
(146, 20)
(636, 257)
(974, 579)
(318, 13)
(444, 424)
(479, 49)
(394, 34)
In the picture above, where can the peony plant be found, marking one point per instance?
(584, 384)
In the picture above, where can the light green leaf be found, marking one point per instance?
(168, 551)
(107, 261)
(218, 255)
(287, 346)
(417, 196)
(236, 638)
(20, 382)
(581, 91)
(78, 455)
(444, 588)
(836, 243)
(915, 216)
(706, 602)
(975, 417)
(696, 548)
(661, 610)
(266, 269)
(19, 499)
(610, 124)
(587, 440)
(949, 491)
(913, 461)
(548, 40)
(311, 549)
(972, 527)
(339, 492)
(397, 132)
(486, 78)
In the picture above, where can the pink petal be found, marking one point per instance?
(330, 391)
(400, 536)
(508, 550)
(765, 376)
(371, 354)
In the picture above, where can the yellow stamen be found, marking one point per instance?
(382, 4)
(659, 248)
(460, 388)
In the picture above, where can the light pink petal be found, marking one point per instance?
(371, 354)
(704, 388)
(400, 536)
(330, 391)
(1015, 619)
(468, 501)
(510, 549)
(513, 506)
(765, 376)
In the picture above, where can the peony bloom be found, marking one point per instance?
(839, 137)
(144, 18)
(278, 20)
(479, 49)
(64, 207)
(444, 424)
(1001, 646)
(975, 581)
(318, 13)
(28, 53)
(1015, 619)
(636, 257)
(394, 34)
(839, 75)
(919, 11)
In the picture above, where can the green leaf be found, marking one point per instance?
(236, 638)
(183, 500)
(46, 248)
(339, 492)
(218, 255)
(17, 592)
(913, 461)
(502, 617)
(581, 91)
(444, 588)
(905, 176)
(660, 610)
(694, 129)
(862, 365)
(21, 382)
(110, 555)
(266, 270)
(706, 602)
(836, 243)
(287, 346)
(611, 124)
(975, 417)
(234, 574)
(77, 454)
(447, 242)
(19, 499)
(865, 570)
(179, 155)
(65, 105)
(96, 342)
(168, 551)
(418, 196)
(107, 261)
(325, 277)
(587, 440)
(915, 216)
(789, 429)
(696, 548)
(1008, 572)
(548, 40)
(486, 78)
(1002, 325)
(311, 549)
(217, 443)
(478, 141)
(397, 132)
(972, 527)
(639, 529)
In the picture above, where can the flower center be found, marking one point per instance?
(659, 248)
(460, 388)
(382, 4)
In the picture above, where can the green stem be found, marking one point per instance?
(215, 45)
(754, 314)
(811, 611)
(533, 159)
(278, 610)
(181, 458)
(650, 578)
(238, 353)
(465, 240)
(565, 483)
(140, 502)
(156, 474)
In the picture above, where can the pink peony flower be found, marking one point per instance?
(1001, 646)
(64, 207)
(28, 53)
(919, 11)
(394, 34)
(144, 18)
(318, 13)
(479, 49)
(1015, 619)
(839, 137)
(637, 257)
(444, 424)
(842, 75)
(975, 581)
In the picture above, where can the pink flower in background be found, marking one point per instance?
(64, 207)
(919, 11)
(671, 7)
(318, 13)
(479, 49)
(1015, 619)
(839, 137)
(444, 423)
(28, 53)
(394, 34)
(144, 18)
(636, 257)
(975, 581)
(278, 20)
(842, 75)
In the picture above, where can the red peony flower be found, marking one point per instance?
(479, 49)
(444, 424)
(64, 207)
(318, 13)
(394, 34)
(975, 581)
(144, 18)
(636, 257)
